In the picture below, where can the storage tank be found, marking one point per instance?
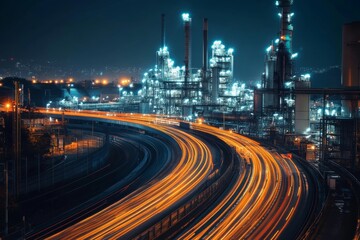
(302, 104)
(351, 55)
(351, 63)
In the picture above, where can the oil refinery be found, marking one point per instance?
(281, 107)
(183, 150)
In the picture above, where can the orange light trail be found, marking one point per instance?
(151, 199)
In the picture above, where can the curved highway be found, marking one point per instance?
(261, 203)
(263, 207)
(142, 158)
(125, 216)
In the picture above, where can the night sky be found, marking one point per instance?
(126, 33)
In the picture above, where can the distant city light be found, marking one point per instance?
(124, 82)
(8, 106)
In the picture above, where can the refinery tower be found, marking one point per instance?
(276, 103)
(278, 66)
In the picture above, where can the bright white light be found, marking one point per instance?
(186, 17)
(230, 51)
(279, 14)
(277, 41)
(258, 85)
(288, 84)
(269, 49)
(294, 55)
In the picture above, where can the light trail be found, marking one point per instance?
(263, 207)
(259, 205)
(152, 199)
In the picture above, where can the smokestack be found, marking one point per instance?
(187, 28)
(162, 30)
(283, 59)
(205, 84)
(286, 29)
(205, 44)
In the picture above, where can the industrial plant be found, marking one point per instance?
(183, 151)
(282, 107)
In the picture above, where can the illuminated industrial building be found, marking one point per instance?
(281, 107)
(184, 91)
(274, 104)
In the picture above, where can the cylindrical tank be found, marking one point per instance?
(302, 105)
(351, 55)
(351, 63)
(258, 103)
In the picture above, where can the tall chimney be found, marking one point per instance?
(205, 84)
(187, 28)
(205, 44)
(162, 30)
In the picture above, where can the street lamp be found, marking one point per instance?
(7, 107)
